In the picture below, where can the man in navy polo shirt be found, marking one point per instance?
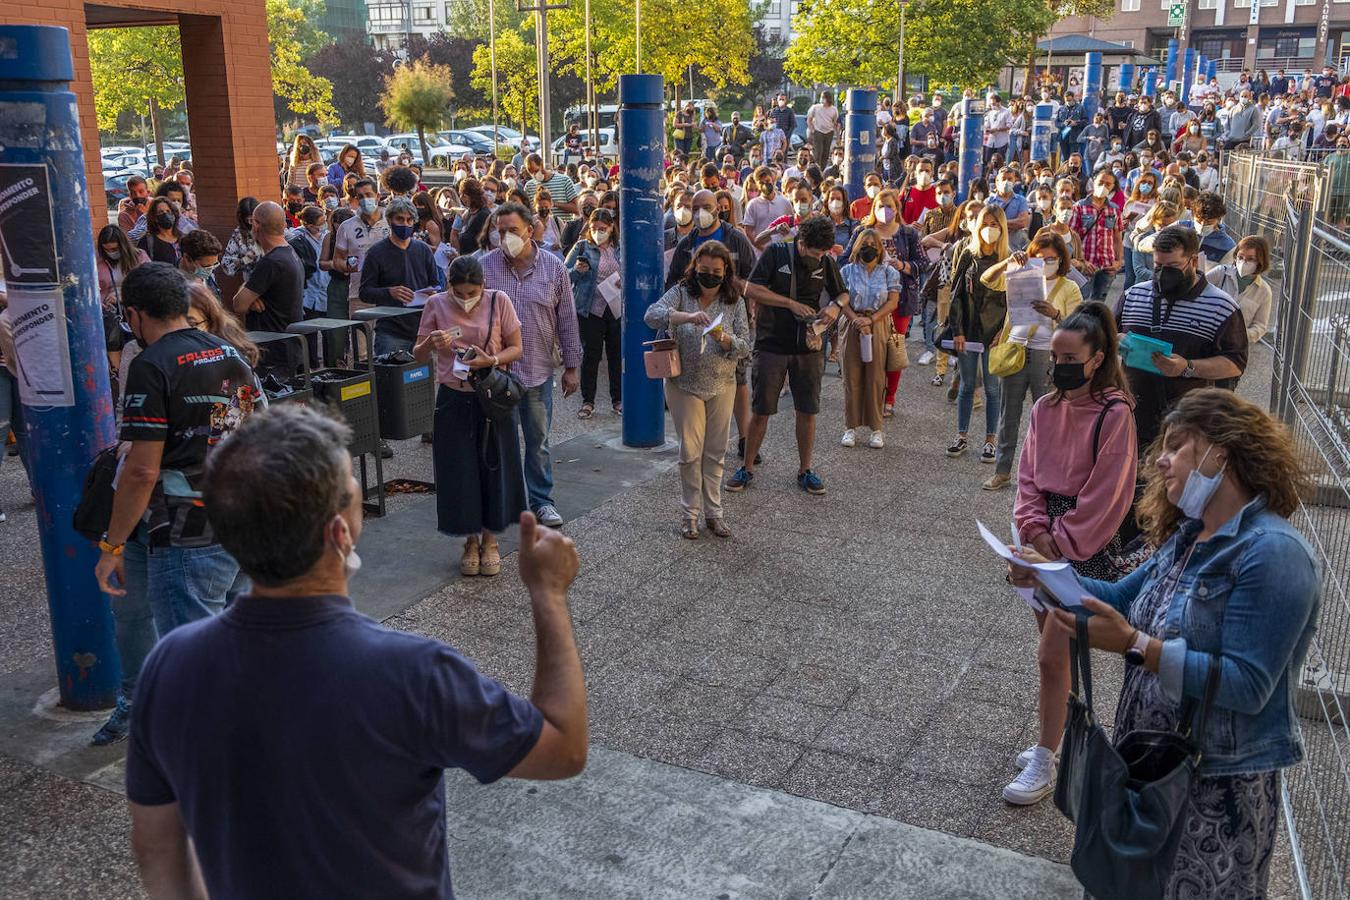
(299, 744)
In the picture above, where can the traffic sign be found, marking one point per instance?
(1176, 15)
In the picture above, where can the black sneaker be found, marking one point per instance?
(958, 447)
(988, 454)
(386, 451)
(117, 726)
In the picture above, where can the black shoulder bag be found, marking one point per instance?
(1128, 801)
(499, 393)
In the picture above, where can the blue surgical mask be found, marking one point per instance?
(402, 232)
(1199, 489)
(330, 202)
(369, 205)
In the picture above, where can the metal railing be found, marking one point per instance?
(1299, 207)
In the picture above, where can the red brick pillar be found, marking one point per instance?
(228, 83)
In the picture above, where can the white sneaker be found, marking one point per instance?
(927, 358)
(850, 438)
(877, 441)
(1035, 782)
(549, 516)
(1024, 758)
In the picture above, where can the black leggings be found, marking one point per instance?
(601, 334)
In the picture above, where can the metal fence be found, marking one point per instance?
(1297, 206)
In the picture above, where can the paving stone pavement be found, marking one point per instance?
(859, 648)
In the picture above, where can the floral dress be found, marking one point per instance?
(241, 255)
(1229, 834)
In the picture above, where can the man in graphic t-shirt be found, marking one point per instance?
(184, 394)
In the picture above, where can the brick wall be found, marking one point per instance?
(228, 83)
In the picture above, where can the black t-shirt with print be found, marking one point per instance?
(279, 279)
(777, 330)
(188, 389)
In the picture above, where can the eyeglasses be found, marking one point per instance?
(194, 322)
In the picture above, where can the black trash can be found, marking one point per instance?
(407, 399)
(351, 392)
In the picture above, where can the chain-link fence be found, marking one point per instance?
(1295, 204)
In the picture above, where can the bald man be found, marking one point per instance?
(273, 297)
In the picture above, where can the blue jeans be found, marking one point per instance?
(535, 415)
(1100, 284)
(11, 416)
(1128, 268)
(928, 321)
(972, 366)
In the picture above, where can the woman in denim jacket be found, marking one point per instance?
(590, 262)
(1231, 578)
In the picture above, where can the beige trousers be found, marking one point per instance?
(702, 427)
(865, 383)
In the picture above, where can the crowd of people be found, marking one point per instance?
(1099, 285)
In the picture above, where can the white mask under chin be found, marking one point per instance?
(352, 562)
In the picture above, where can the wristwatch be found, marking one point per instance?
(1189, 371)
(1135, 654)
(114, 549)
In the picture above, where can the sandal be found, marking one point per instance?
(470, 563)
(491, 560)
(587, 410)
(719, 528)
(888, 411)
(690, 530)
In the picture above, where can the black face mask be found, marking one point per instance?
(165, 220)
(708, 280)
(295, 206)
(1068, 376)
(1171, 283)
(867, 254)
(809, 263)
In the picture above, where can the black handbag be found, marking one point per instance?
(498, 391)
(1128, 801)
(94, 511)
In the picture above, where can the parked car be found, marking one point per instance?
(370, 145)
(115, 187)
(478, 141)
(609, 145)
(509, 137)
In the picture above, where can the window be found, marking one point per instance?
(775, 9)
(773, 33)
(1206, 4)
(1242, 4)
(1129, 5)
(424, 14)
(386, 14)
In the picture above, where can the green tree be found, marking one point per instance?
(357, 71)
(469, 18)
(417, 97)
(517, 77)
(135, 70)
(961, 41)
(715, 36)
(293, 37)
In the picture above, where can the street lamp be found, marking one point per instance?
(900, 80)
(541, 60)
(492, 52)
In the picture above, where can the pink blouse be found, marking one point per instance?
(443, 313)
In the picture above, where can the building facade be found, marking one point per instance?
(1293, 35)
(387, 21)
(343, 19)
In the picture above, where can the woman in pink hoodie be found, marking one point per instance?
(1075, 484)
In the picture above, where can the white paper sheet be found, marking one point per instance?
(1026, 286)
(971, 346)
(460, 369)
(611, 291)
(1056, 578)
(713, 325)
(421, 297)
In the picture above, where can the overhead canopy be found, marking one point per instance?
(1076, 44)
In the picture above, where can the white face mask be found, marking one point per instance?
(1044, 205)
(1246, 267)
(837, 207)
(1063, 216)
(873, 190)
(467, 303)
(946, 199)
(1199, 489)
(683, 216)
(922, 179)
(803, 209)
(600, 235)
(989, 234)
(706, 219)
(1100, 191)
(351, 560)
(885, 215)
(512, 244)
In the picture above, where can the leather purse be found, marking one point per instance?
(1129, 800)
(897, 356)
(662, 360)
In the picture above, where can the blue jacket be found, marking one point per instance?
(583, 283)
(1249, 594)
(1217, 245)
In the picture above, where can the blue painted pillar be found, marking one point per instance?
(1126, 81)
(1092, 84)
(1173, 47)
(1188, 76)
(860, 149)
(48, 261)
(1150, 82)
(970, 156)
(1212, 69)
(1042, 124)
(642, 144)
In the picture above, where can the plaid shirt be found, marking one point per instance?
(542, 296)
(1098, 229)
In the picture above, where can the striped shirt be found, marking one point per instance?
(1205, 323)
(561, 188)
(542, 295)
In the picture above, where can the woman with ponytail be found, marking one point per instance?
(1075, 484)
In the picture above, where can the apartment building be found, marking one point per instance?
(387, 21)
(1276, 34)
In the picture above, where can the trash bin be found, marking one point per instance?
(351, 393)
(406, 399)
(295, 389)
